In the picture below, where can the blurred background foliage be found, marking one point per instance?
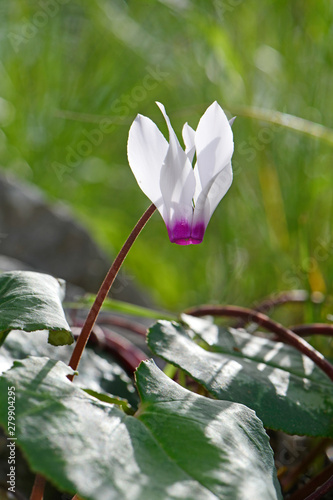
(66, 66)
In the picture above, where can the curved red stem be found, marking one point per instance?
(283, 333)
(124, 323)
(317, 487)
(313, 329)
(104, 290)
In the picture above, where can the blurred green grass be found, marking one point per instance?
(66, 65)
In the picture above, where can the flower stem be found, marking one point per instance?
(283, 333)
(104, 290)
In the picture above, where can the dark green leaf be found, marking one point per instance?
(32, 301)
(178, 446)
(286, 390)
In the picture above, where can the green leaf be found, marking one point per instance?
(178, 446)
(122, 307)
(32, 301)
(286, 390)
(98, 371)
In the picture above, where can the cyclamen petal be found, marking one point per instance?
(177, 186)
(189, 141)
(211, 196)
(146, 150)
(185, 196)
(213, 142)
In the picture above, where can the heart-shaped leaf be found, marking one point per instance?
(179, 445)
(286, 390)
(32, 301)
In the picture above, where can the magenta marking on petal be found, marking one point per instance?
(181, 241)
(179, 230)
(198, 231)
(189, 241)
(181, 233)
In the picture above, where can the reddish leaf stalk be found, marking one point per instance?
(317, 487)
(126, 324)
(104, 290)
(290, 478)
(280, 299)
(313, 329)
(291, 296)
(38, 488)
(283, 333)
(127, 353)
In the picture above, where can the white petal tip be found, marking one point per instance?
(160, 105)
(215, 104)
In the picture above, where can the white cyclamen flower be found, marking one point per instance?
(185, 196)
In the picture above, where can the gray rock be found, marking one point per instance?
(47, 238)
